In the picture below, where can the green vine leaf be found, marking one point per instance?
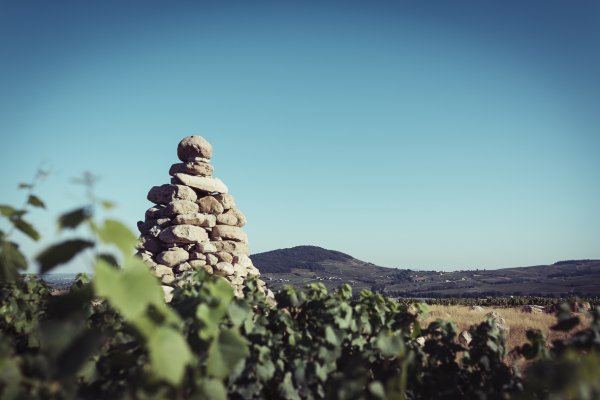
(11, 261)
(107, 204)
(169, 354)
(35, 201)
(213, 389)
(73, 219)
(390, 344)
(130, 291)
(225, 353)
(61, 253)
(136, 294)
(286, 388)
(109, 259)
(114, 232)
(7, 211)
(26, 228)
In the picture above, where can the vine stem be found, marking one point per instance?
(37, 179)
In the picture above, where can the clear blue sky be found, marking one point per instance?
(409, 134)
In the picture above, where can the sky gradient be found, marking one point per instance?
(444, 135)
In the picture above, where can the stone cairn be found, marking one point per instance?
(195, 224)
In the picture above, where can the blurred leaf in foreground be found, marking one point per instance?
(73, 219)
(61, 253)
(11, 260)
(7, 211)
(35, 201)
(114, 232)
(135, 292)
(26, 228)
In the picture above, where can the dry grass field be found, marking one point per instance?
(517, 321)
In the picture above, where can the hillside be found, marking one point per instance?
(305, 264)
(303, 257)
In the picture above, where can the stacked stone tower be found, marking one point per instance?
(195, 224)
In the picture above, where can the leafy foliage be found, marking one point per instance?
(115, 338)
(11, 259)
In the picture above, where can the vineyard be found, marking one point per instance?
(115, 338)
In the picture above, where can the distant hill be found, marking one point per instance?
(305, 264)
(304, 257)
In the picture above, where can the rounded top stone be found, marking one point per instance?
(191, 147)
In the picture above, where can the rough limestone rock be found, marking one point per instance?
(146, 256)
(210, 205)
(224, 256)
(161, 270)
(192, 168)
(226, 200)
(227, 232)
(198, 219)
(184, 266)
(208, 269)
(196, 255)
(223, 269)
(162, 222)
(194, 224)
(240, 270)
(166, 193)
(178, 207)
(532, 309)
(149, 243)
(239, 215)
(224, 219)
(233, 217)
(204, 183)
(211, 259)
(243, 260)
(155, 212)
(197, 264)
(206, 248)
(183, 234)
(144, 226)
(168, 291)
(464, 338)
(235, 248)
(172, 257)
(192, 147)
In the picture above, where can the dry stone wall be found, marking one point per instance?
(195, 224)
